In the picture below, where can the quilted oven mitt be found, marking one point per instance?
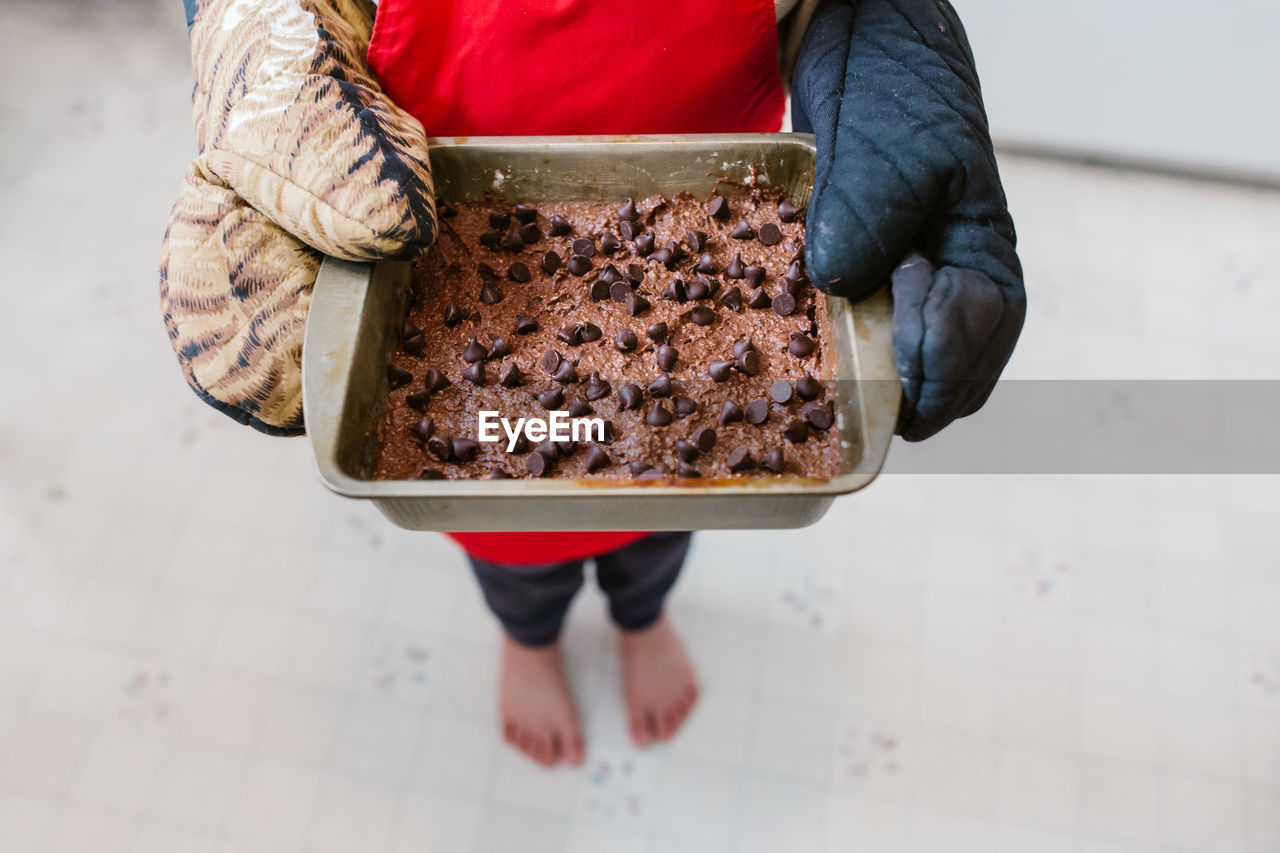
(300, 154)
(905, 161)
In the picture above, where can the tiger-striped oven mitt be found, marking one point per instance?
(300, 154)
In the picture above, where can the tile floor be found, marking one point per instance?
(202, 651)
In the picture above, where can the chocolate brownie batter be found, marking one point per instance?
(689, 326)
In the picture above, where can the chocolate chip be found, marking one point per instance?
(800, 345)
(596, 459)
(629, 397)
(759, 299)
(473, 352)
(565, 373)
(627, 211)
(559, 226)
(600, 290)
(742, 231)
(730, 412)
(719, 208)
(807, 387)
(464, 449)
(682, 407)
(637, 468)
(571, 335)
(675, 291)
(619, 291)
(498, 349)
(440, 448)
(552, 398)
(653, 474)
(521, 444)
(610, 274)
(795, 272)
(578, 265)
(422, 429)
(567, 448)
(630, 230)
(498, 474)
(430, 474)
(635, 273)
(754, 275)
(490, 294)
(548, 450)
(644, 244)
(818, 415)
(784, 304)
(795, 431)
(579, 408)
(749, 362)
(537, 464)
(757, 412)
(453, 315)
(665, 356)
(699, 288)
(415, 346)
(781, 391)
(418, 402)
(660, 387)
(625, 340)
(773, 460)
(609, 243)
(732, 299)
(665, 257)
(657, 415)
(687, 471)
(697, 240)
(657, 333)
(551, 360)
(409, 330)
(787, 211)
(608, 433)
(551, 262)
(685, 451)
(584, 246)
(511, 377)
(677, 252)
(530, 233)
(636, 304)
(512, 242)
(596, 387)
(701, 315)
(499, 220)
(589, 332)
(435, 381)
(525, 324)
(705, 265)
(474, 373)
(736, 268)
(398, 377)
(770, 234)
(740, 460)
(719, 371)
(705, 439)
(491, 240)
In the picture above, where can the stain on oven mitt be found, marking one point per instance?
(301, 154)
(905, 162)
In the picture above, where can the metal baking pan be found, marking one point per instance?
(357, 308)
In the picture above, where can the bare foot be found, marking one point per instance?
(658, 681)
(537, 710)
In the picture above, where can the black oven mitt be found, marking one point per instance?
(907, 189)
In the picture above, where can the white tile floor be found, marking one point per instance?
(202, 650)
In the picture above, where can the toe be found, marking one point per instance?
(573, 749)
(639, 734)
(555, 747)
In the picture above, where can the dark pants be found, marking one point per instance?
(531, 601)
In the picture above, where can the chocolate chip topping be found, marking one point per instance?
(685, 451)
(578, 265)
(780, 391)
(701, 315)
(584, 246)
(434, 381)
(499, 474)
(474, 373)
(596, 387)
(565, 373)
(579, 408)
(773, 460)
(551, 262)
(759, 299)
(525, 213)
(629, 397)
(730, 412)
(558, 226)
(497, 349)
(499, 220)
(398, 377)
(625, 340)
(512, 242)
(571, 335)
(665, 356)
(596, 459)
(453, 315)
(787, 211)
(795, 431)
(490, 294)
(600, 290)
(660, 387)
(742, 231)
(706, 265)
(754, 275)
(682, 406)
(658, 416)
(537, 464)
(440, 447)
(784, 304)
(415, 346)
(511, 377)
(524, 324)
(675, 291)
(731, 299)
(636, 304)
(807, 387)
(464, 449)
(644, 244)
(697, 240)
(657, 333)
(757, 412)
(720, 371)
(687, 471)
(552, 398)
(627, 210)
(740, 460)
(619, 290)
(551, 360)
(719, 208)
(530, 233)
(749, 362)
(770, 234)
(736, 268)
(635, 273)
(609, 243)
(699, 288)
(800, 345)
(818, 415)
(422, 430)
(473, 352)
(705, 439)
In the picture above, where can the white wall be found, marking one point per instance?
(1174, 81)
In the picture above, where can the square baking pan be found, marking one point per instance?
(356, 310)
